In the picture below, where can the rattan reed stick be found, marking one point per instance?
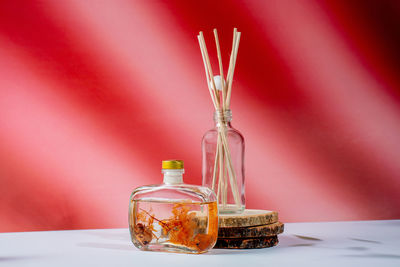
(226, 170)
(231, 59)
(221, 69)
(228, 100)
(215, 167)
(231, 170)
(212, 92)
(211, 75)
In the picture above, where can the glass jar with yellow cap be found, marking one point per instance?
(173, 216)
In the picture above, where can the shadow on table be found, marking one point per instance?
(17, 258)
(308, 241)
(365, 240)
(284, 241)
(375, 255)
(297, 241)
(130, 247)
(287, 241)
(106, 246)
(110, 235)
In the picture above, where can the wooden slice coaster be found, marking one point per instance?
(252, 231)
(248, 218)
(247, 243)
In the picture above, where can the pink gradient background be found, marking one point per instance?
(94, 94)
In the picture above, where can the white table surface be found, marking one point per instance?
(365, 243)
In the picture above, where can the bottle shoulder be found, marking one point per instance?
(232, 134)
(235, 132)
(174, 193)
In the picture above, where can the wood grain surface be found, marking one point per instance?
(248, 218)
(251, 231)
(247, 243)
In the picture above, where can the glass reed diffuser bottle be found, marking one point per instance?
(173, 216)
(223, 168)
(223, 146)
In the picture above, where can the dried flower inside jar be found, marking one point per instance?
(173, 216)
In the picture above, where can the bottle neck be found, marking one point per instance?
(223, 118)
(173, 176)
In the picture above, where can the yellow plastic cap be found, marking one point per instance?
(172, 164)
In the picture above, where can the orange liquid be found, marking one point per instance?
(188, 227)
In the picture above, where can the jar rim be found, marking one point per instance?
(223, 115)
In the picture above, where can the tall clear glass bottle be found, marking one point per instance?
(223, 163)
(173, 216)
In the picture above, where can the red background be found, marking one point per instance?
(94, 94)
